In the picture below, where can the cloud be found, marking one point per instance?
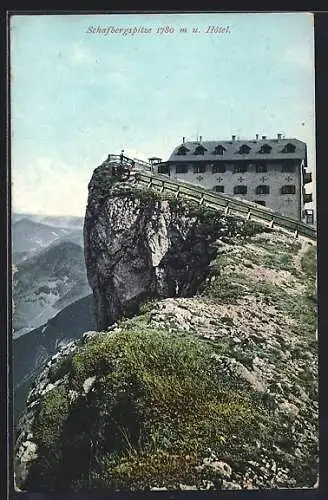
(47, 186)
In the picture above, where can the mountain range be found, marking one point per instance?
(51, 296)
(32, 350)
(30, 234)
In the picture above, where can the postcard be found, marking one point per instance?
(163, 252)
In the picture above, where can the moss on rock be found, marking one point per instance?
(158, 403)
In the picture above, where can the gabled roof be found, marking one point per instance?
(231, 152)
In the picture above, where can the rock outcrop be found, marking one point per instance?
(218, 369)
(138, 245)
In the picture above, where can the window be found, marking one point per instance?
(289, 148)
(218, 169)
(240, 168)
(244, 149)
(262, 190)
(219, 150)
(307, 177)
(288, 166)
(181, 169)
(218, 189)
(260, 202)
(163, 169)
(265, 149)
(289, 189)
(182, 150)
(240, 190)
(200, 150)
(307, 198)
(199, 169)
(261, 168)
(309, 216)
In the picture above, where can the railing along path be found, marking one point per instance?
(215, 201)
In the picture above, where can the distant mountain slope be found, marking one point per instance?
(68, 221)
(34, 348)
(51, 220)
(47, 282)
(29, 236)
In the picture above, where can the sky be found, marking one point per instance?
(81, 89)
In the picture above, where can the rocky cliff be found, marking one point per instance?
(138, 245)
(203, 374)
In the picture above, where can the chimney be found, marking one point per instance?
(183, 140)
(200, 138)
(257, 137)
(279, 136)
(233, 137)
(263, 136)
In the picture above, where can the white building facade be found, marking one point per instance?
(269, 172)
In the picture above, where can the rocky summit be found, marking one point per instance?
(203, 372)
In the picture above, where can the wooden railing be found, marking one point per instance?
(230, 206)
(215, 201)
(130, 162)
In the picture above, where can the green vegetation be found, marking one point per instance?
(226, 347)
(158, 403)
(229, 286)
(301, 308)
(58, 370)
(224, 291)
(279, 256)
(309, 262)
(309, 267)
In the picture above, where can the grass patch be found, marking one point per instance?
(228, 288)
(224, 291)
(158, 403)
(301, 309)
(280, 261)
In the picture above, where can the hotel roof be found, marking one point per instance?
(234, 150)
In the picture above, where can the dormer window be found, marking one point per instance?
(182, 150)
(200, 150)
(244, 149)
(265, 149)
(219, 150)
(289, 148)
